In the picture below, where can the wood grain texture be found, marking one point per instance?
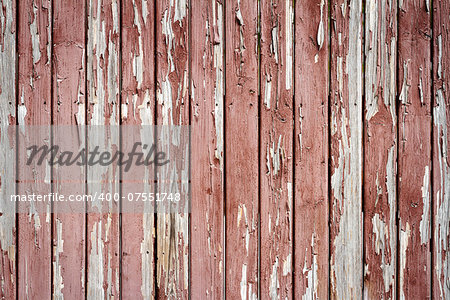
(441, 172)
(311, 150)
(276, 158)
(34, 49)
(414, 165)
(138, 108)
(68, 109)
(207, 98)
(346, 150)
(172, 90)
(380, 150)
(103, 65)
(7, 151)
(241, 166)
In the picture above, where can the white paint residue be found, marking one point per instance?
(267, 91)
(57, 250)
(424, 222)
(320, 30)
(289, 18)
(404, 240)
(35, 36)
(404, 92)
(274, 282)
(244, 282)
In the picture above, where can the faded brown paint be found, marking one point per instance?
(103, 231)
(207, 91)
(414, 136)
(241, 165)
(34, 234)
(172, 90)
(346, 150)
(8, 108)
(276, 160)
(138, 108)
(380, 151)
(68, 109)
(311, 150)
(441, 173)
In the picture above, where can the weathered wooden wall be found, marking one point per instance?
(319, 158)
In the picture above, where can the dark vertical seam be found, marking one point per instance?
(397, 181)
(16, 112)
(155, 140)
(120, 145)
(86, 110)
(189, 149)
(432, 95)
(52, 116)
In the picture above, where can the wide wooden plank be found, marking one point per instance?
(241, 165)
(441, 171)
(138, 108)
(207, 96)
(311, 150)
(346, 150)
(172, 75)
(380, 150)
(414, 135)
(7, 151)
(103, 65)
(34, 234)
(276, 138)
(68, 110)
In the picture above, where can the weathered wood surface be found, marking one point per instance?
(276, 157)
(34, 107)
(414, 149)
(380, 151)
(319, 148)
(346, 127)
(441, 172)
(103, 65)
(8, 119)
(241, 150)
(138, 109)
(68, 108)
(311, 150)
(172, 108)
(207, 100)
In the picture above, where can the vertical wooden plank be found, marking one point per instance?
(311, 150)
(441, 170)
(346, 150)
(103, 46)
(241, 167)
(207, 91)
(7, 176)
(138, 108)
(380, 150)
(34, 49)
(68, 109)
(172, 109)
(276, 159)
(414, 165)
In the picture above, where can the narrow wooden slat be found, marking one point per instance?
(7, 150)
(103, 66)
(346, 150)
(34, 49)
(172, 230)
(380, 150)
(311, 150)
(414, 163)
(207, 91)
(441, 171)
(241, 132)
(68, 109)
(138, 107)
(276, 159)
